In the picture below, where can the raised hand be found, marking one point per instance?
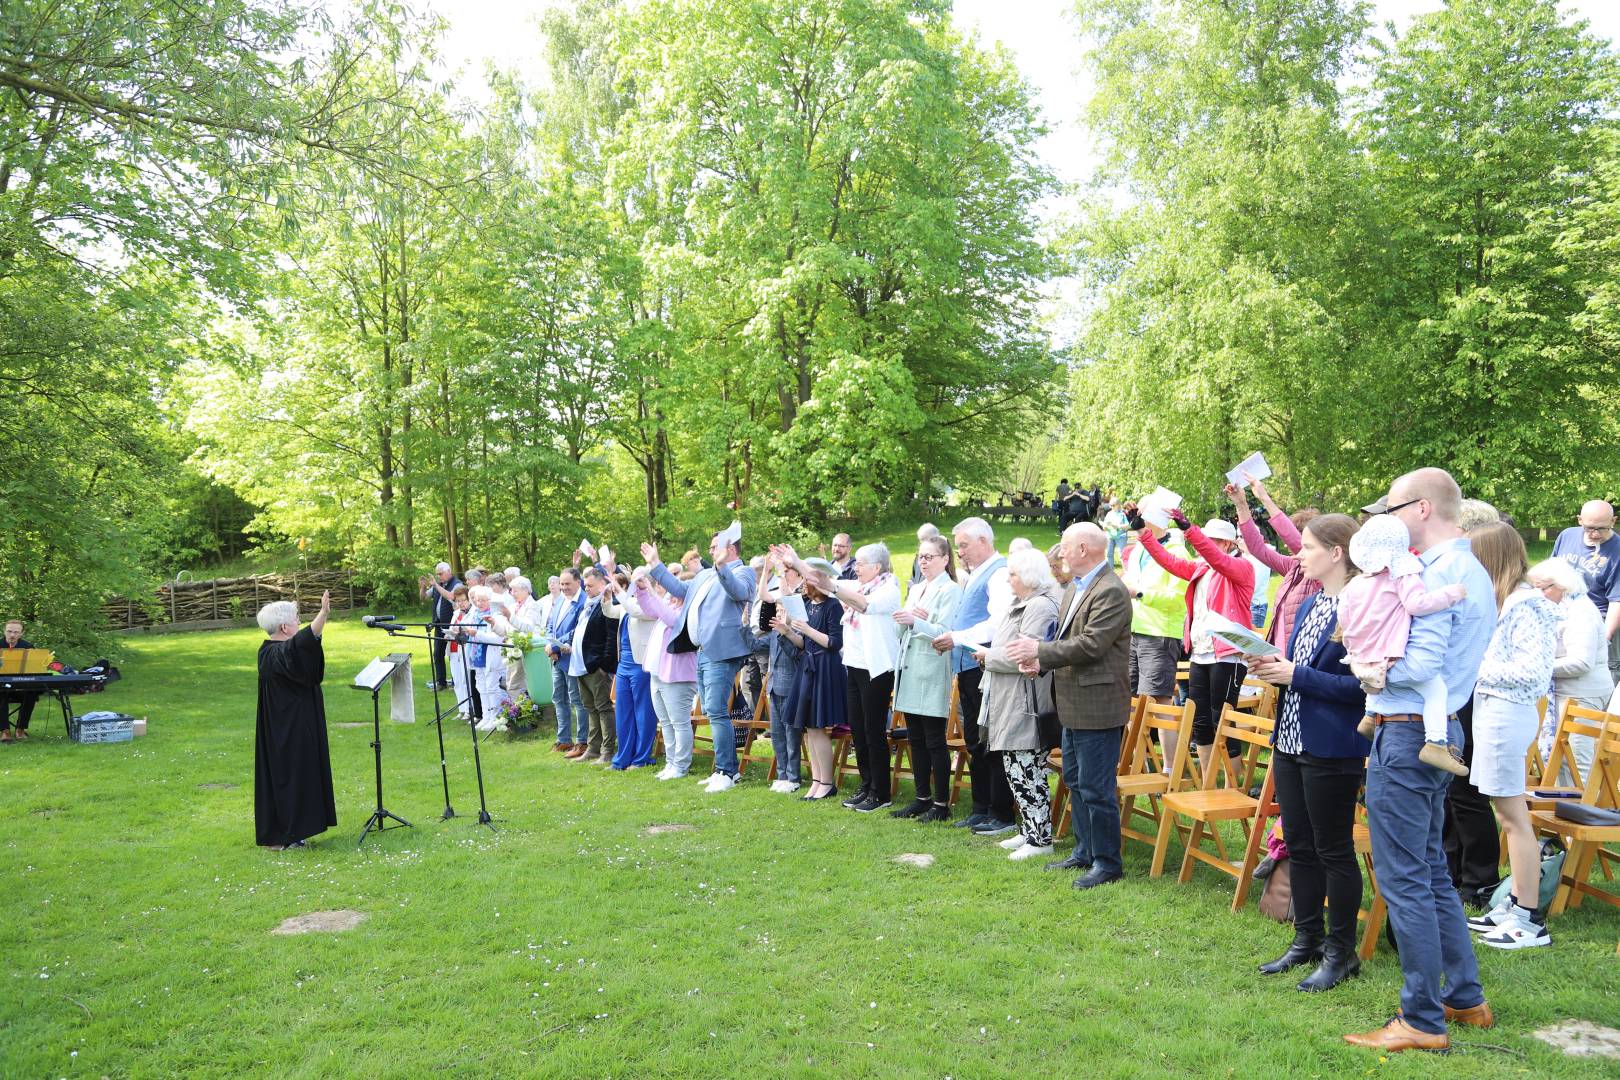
(1179, 518)
(1133, 517)
(1231, 492)
(649, 554)
(326, 602)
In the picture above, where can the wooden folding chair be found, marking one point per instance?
(755, 725)
(1573, 720)
(1584, 842)
(956, 745)
(1208, 806)
(1144, 775)
(1127, 753)
(900, 766)
(1371, 917)
(1258, 698)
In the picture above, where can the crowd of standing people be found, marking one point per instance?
(1414, 641)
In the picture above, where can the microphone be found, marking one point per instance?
(373, 620)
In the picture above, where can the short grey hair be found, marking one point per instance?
(480, 592)
(1559, 572)
(553, 580)
(1032, 569)
(876, 555)
(442, 568)
(521, 582)
(975, 528)
(276, 614)
(512, 572)
(927, 529)
(1019, 543)
(1476, 512)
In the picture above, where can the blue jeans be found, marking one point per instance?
(1115, 543)
(715, 681)
(1090, 765)
(1406, 807)
(784, 738)
(565, 699)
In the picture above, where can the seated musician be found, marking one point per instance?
(25, 698)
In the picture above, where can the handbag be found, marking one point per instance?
(1042, 703)
(1277, 897)
(1552, 867)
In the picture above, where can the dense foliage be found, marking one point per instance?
(778, 254)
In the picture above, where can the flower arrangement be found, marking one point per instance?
(519, 715)
(523, 641)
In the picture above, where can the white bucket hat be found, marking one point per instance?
(1379, 543)
(1221, 529)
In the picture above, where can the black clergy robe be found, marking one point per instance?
(292, 768)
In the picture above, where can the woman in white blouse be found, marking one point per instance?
(1581, 668)
(871, 650)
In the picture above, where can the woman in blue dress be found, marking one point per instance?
(817, 704)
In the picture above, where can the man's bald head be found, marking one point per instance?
(1429, 502)
(1084, 545)
(1597, 514)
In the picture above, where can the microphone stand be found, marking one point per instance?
(394, 629)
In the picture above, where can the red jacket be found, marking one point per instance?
(1230, 593)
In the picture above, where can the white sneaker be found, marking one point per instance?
(1517, 933)
(1030, 851)
(784, 787)
(721, 782)
(1013, 842)
(1497, 916)
(485, 725)
(665, 773)
(707, 780)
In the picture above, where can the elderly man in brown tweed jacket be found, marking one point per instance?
(1091, 661)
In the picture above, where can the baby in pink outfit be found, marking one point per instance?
(1375, 617)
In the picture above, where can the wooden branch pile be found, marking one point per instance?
(234, 599)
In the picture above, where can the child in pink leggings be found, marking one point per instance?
(1375, 617)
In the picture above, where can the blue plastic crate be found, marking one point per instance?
(102, 727)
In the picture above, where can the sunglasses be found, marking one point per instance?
(1400, 506)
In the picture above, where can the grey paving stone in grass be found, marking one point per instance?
(914, 858)
(1581, 1038)
(669, 827)
(316, 922)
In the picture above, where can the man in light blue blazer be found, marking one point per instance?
(716, 621)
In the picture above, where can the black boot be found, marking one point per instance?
(1338, 964)
(1304, 950)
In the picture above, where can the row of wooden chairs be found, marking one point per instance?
(1161, 800)
(1585, 845)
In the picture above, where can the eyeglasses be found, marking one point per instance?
(1597, 530)
(928, 556)
(1400, 506)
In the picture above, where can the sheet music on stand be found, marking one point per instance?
(395, 671)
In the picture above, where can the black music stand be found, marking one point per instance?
(375, 675)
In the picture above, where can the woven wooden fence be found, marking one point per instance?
(230, 601)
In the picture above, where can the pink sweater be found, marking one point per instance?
(669, 667)
(1296, 588)
(1375, 612)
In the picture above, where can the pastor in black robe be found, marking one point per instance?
(292, 769)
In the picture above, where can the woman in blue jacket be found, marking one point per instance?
(1318, 765)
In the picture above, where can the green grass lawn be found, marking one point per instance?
(774, 938)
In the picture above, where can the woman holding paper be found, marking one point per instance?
(820, 692)
(1297, 586)
(1318, 763)
(922, 689)
(1007, 717)
(1221, 589)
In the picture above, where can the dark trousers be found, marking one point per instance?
(440, 643)
(867, 705)
(1473, 853)
(1212, 686)
(1318, 800)
(930, 761)
(25, 708)
(991, 793)
(1090, 769)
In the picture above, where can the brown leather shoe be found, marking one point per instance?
(1398, 1035)
(1479, 1016)
(577, 752)
(563, 747)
